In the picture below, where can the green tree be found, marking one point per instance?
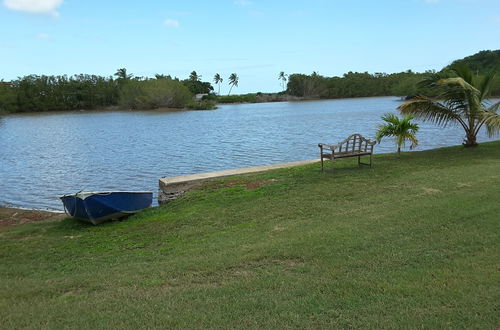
(233, 81)
(193, 76)
(461, 98)
(401, 129)
(218, 80)
(283, 78)
(198, 86)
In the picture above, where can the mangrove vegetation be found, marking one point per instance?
(124, 90)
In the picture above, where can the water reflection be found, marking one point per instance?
(46, 155)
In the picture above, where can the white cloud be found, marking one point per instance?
(243, 2)
(48, 7)
(171, 23)
(44, 36)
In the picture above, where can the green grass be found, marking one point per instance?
(410, 243)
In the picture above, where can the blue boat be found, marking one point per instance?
(97, 207)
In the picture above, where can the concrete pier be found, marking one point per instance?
(174, 187)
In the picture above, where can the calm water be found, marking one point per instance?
(46, 155)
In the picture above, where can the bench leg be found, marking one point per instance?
(369, 164)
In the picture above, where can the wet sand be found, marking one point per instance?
(12, 216)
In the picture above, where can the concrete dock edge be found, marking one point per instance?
(172, 188)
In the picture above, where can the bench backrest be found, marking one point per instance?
(356, 142)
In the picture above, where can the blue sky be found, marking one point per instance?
(254, 38)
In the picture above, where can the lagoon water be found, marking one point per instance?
(46, 155)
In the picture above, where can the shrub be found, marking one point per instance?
(244, 98)
(154, 93)
(201, 105)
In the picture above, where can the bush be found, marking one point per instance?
(154, 93)
(244, 98)
(8, 98)
(201, 105)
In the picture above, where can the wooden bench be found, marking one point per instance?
(354, 146)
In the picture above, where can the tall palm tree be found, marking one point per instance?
(193, 76)
(461, 98)
(122, 74)
(233, 81)
(401, 129)
(218, 80)
(283, 77)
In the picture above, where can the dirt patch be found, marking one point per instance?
(259, 183)
(431, 191)
(250, 185)
(232, 183)
(463, 185)
(12, 217)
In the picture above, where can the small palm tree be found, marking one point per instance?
(233, 81)
(218, 80)
(283, 77)
(460, 99)
(401, 129)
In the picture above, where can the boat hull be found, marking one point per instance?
(97, 207)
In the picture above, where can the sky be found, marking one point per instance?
(256, 39)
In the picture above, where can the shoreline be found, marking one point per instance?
(49, 213)
(12, 216)
(116, 108)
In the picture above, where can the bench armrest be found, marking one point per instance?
(332, 147)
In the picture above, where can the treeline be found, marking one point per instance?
(53, 93)
(45, 93)
(354, 84)
(482, 62)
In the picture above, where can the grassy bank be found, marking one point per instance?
(409, 243)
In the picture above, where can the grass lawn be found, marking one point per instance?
(410, 243)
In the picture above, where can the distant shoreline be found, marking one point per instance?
(115, 108)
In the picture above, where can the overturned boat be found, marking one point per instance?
(97, 207)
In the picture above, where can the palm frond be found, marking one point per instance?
(492, 122)
(485, 85)
(427, 109)
(384, 131)
(494, 108)
(462, 71)
(413, 139)
(458, 82)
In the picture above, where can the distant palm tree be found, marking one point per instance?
(283, 77)
(233, 81)
(122, 74)
(193, 76)
(401, 129)
(218, 80)
(461, 99)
